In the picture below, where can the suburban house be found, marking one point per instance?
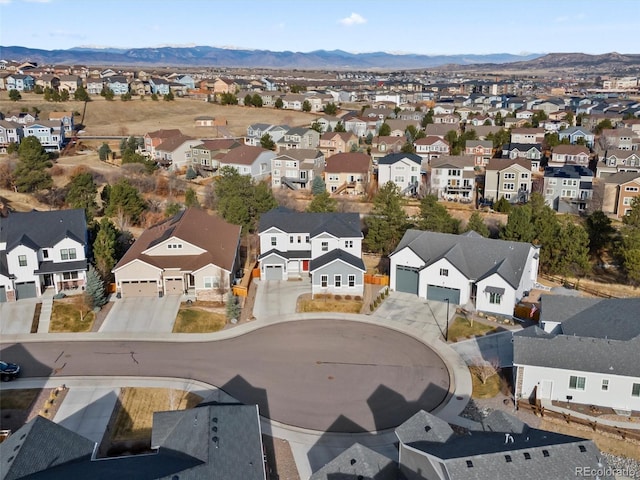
(155, 138)
(440, 130)
(19, 82)
(118, 84)
(617, 161)
(70, 83)
(49, 133)
(528, 151)
(94, 85)
(431, 147)
(255, 132)
(581, 353)
(384, 145)
(348, 173)
(358, 126)
(23, 118)
(299, 137)
(478, 273)
(453, 178)
(325, 246)
(619, 191)
(358, 462)
(215, 441)
(509, 179)
(9, 133)
(527, 135)
(206, 155)
(620, 138)
(192, 252)
(224, 85)
(247, 160)
(569, 155)
(67, 121)
(480, 150)
(503, 447)
(568, 189)
(175, 152)
(328, 123)
(577, 134)
(337, 142)
(159, 86)
(296, 168)
(40, 250)
(402, 169)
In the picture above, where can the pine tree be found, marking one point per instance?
(317, 185)
(94, 291)
(388, 220)
(477, 225)
(435, 217)
(31, 172)
(322, 203)
(104, 248)
(233, 309)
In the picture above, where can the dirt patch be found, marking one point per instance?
(328, 303)
(280, 462)
(40, 403)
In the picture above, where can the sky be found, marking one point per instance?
(429, 27)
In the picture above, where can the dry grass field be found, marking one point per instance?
(138, 117)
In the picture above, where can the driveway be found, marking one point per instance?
(275, 298)
(142, 314)
(17, 317)
(496, 346)
(405, 309)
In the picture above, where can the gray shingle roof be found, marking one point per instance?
(337, 224)
(392, 158)
(615, 319)
(355, 462)
(43, 229)
(337, 254)
(476, 257)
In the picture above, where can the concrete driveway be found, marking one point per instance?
(275, 298)
(142, 314)
(17, 317)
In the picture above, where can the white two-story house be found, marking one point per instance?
(49, 133)
(326, 247)
(509, 179)
(453, 178)
(402, 169)
(296, 168)
(40, 250)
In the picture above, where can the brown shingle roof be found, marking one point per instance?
(243, 155)
(171, 143)
(570, 149)
(352, 162)
(218, 238)
(220, 144)
(164, 133)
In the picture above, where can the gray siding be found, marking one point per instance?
(336, 268)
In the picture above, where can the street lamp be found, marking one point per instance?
(446, 326)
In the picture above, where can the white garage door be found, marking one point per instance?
(173, 286)
(273, 272)
(139, 288)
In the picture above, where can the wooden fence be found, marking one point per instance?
(576, 286)
(621, 433)
(376, 279)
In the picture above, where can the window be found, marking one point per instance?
(348, 244)
(45, 253)
(509, 176)
(337, 280)
(524, 176)
(553, 181)
(545, 453)
(325, 246)
(324, 280)
(290, 238)
(170, 246)
(70, 276)
(444, 272)
(352, 280)
(454, 173)
(208, 282)
(527, 456)
(277, 163)
(577, 383)
(605, 384)
(273, 241)
(299, 239)
(627, 200)
(549, 191)
(22, 260)
(398, 179)
(509, 186)
(635, 390)
(495, 298)
(307, 239)
(68, 253)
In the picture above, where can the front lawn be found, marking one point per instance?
(196, 320)
(18, 399)
(461, 328)
(329, 304)
(489, 389)
(71, 315)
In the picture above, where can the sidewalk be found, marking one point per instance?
(45, 312)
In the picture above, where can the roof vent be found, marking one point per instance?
(582, 448)
(545, 453)
(353, 461)
(527, 456)
(427, 428)
(507, 458)
(469, 464)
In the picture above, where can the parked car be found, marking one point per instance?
(9, 371)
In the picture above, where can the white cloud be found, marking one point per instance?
(38, 1)
(5, 2)
(353, 19)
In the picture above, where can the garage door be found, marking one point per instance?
(173, 286)
(273, 272)
(442, 293)
(3, 294)
(26, 290)
(407, 279)
(143, 288)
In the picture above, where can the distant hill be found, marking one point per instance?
(202, 56)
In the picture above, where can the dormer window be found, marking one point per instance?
(45, 253)
(174, 246)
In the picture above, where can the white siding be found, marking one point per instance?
(407, 258)
(507, 301)
(179, 248)
(454, 279)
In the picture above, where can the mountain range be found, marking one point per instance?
(203, 56)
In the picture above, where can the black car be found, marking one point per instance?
(9, 371)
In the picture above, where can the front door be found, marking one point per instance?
(546, 389)
(305, 265)
(48, 280)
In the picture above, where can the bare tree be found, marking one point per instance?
(221, 286)
(483, 369)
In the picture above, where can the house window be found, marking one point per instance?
(324, 280)
(635, 390)
(509, 176)
(398, 179)
(348, 244)
(170, 246)
(577, 383)
(444, 272)
(68, 254)
(70, 276)
(290, 238)
(337, 280)
(299, 239)
(273, 241)
(509, 186)
(352, 280)
(22, 260)
(495, 298)
(45, 253)
(605, 384)
(524, 176)
(208, 282)
(307, 239)
(325, 246)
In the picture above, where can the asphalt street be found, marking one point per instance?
(324, 375)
